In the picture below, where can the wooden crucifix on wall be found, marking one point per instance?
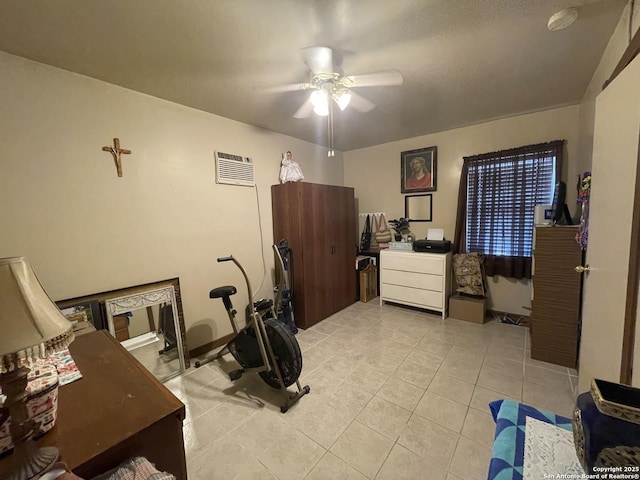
(116, 151)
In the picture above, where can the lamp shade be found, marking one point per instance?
(31, 326)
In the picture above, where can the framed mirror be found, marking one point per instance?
(98, 317)
(146, 324)
(418, 208)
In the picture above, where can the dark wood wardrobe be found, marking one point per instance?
(319, 222)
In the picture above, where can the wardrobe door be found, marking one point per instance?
(286, 202)
(343, 247)
(317, 258)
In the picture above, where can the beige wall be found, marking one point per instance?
(85, 230)
(375, 174)
(612, 54)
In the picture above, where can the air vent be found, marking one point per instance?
(234, 169)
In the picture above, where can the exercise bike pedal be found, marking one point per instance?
(236, 374)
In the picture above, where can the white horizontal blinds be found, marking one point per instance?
(503, 189)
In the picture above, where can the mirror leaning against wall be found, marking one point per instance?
(147, 320)
(146, 325)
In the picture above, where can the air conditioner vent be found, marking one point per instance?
(234, 169)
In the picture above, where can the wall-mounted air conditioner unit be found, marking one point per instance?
(234, 169)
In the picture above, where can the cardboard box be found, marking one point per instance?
(471, 309)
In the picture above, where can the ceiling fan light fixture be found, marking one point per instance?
(342, 98)
(562, 19)
(320, 102)
(322, 111)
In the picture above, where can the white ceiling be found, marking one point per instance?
(463, 61)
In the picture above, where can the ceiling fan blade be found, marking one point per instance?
(360, 103)
(305, 110)
(378, 79)
(287, 87)
(318, 59)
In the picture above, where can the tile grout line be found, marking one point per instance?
(439, 369)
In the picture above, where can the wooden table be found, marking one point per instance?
(118, 410)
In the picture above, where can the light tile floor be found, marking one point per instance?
(396, 393)
(161, 365)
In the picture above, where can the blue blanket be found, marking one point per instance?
(507, 458)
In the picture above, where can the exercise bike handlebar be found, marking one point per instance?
(244, 274)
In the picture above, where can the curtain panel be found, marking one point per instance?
(498, 192)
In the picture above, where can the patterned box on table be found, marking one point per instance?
(42, 402)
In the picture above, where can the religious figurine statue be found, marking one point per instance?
(289, 170)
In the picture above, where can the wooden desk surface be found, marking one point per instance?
(114, 402)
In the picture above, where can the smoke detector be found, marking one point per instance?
(562, 19)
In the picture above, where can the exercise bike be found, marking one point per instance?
(264, 345)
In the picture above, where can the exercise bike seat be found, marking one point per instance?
(222, 292)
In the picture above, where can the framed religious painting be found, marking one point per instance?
(418, 170)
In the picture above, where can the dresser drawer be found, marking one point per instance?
(417, 279)
(413, 262)
(412, 279)
(414, 296)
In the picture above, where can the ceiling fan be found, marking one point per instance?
(327, 84)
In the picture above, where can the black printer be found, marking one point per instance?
(432, 246)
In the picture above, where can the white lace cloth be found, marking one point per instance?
(549, 450)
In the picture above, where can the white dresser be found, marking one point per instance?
(417, 279)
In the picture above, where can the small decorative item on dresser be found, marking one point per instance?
(606, 426)
(401, 228)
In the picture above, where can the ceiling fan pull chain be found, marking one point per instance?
(331, 152)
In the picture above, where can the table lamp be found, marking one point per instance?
(31, 327)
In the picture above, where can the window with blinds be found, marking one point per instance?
(503, 189)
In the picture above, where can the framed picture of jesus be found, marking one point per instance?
(418, 170)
